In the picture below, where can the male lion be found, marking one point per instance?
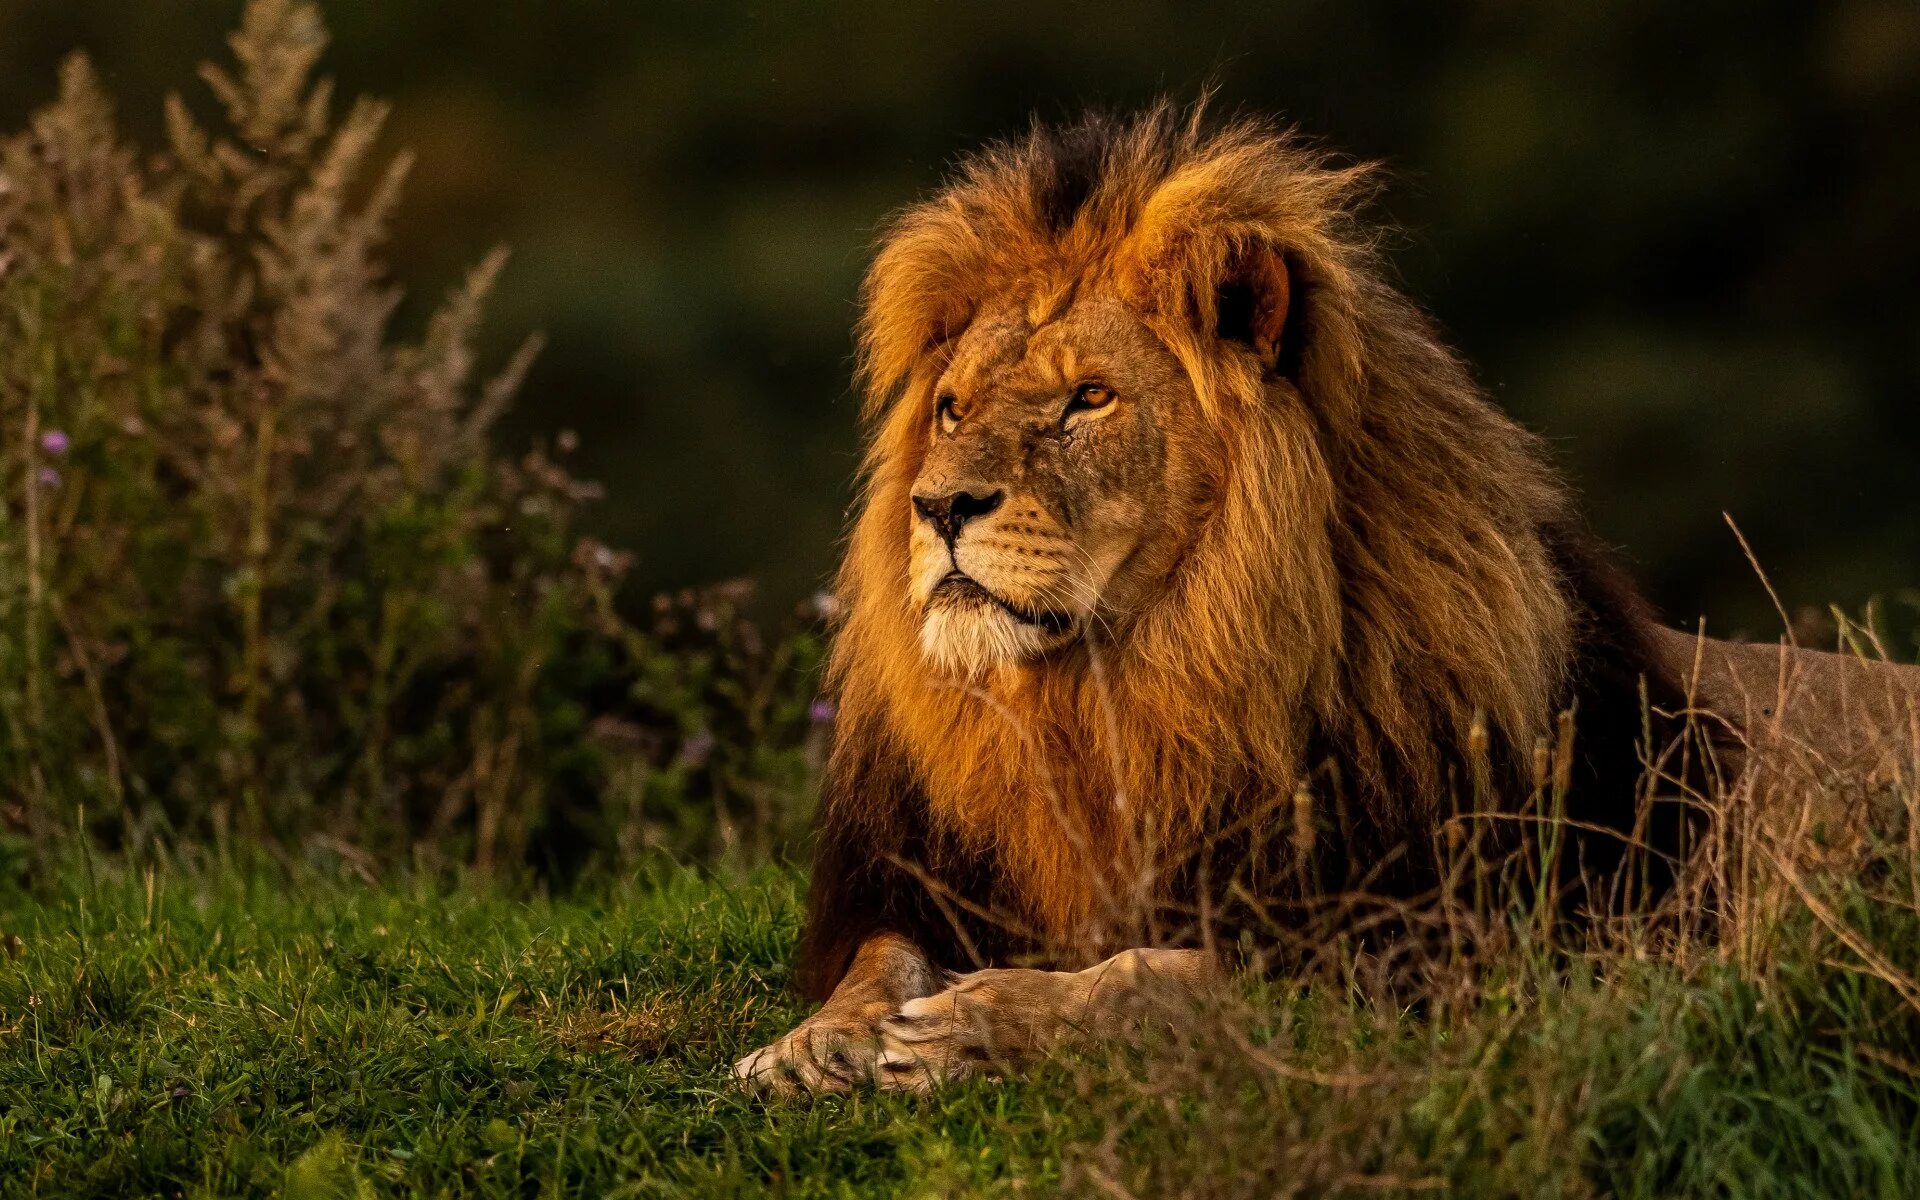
(1185, 546)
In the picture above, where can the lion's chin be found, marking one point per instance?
(970, 638)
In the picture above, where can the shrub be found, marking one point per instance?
(262, 576)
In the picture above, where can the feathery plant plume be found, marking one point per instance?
(279, 588)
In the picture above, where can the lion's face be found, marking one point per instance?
(1058, 484)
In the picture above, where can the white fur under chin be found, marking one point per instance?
(968, 641)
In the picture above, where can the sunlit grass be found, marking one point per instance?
(222, 1036)
(200, 1037)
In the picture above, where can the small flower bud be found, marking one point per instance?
(1303, 833)
(698, 747)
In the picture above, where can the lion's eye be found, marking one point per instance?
(1090, 398)
(946, 410)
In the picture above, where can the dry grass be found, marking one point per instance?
(1718, 1042)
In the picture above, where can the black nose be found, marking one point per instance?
(949, 512)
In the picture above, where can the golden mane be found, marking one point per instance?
(1380, 574)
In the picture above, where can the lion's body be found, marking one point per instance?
(1350, 588)
(1816, 736)
(1389, 560)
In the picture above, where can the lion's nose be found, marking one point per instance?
(949, 512)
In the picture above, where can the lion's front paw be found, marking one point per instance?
(828, 1052)
(988, 1021)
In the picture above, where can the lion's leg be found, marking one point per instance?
(835, 1048)
(1001, 1019)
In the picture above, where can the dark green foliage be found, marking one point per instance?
(1672, 237)
(262, 578)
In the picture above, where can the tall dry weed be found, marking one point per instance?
(263, 576)
(1754, 1029)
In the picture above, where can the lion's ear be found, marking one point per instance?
(1252, 303)
(1229, 285)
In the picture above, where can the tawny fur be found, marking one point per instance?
(1375, 569)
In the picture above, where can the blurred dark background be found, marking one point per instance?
(1681, 240)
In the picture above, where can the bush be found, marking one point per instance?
(262, 577)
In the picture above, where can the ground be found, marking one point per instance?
(215, 1035)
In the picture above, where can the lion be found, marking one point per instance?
(1185, 542)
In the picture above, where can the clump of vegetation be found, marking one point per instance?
(264, 579)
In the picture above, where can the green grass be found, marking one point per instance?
(203, 1039)
(208, 1037)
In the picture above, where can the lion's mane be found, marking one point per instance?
(1391, 572)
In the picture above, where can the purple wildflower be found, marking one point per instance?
(54, 442)
(695, 751)
(49, 478)
(821, 712)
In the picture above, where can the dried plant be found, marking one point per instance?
(262, 575)
(1507, 1053)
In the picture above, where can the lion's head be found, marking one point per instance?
(1168, 492)
(1065, 472)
